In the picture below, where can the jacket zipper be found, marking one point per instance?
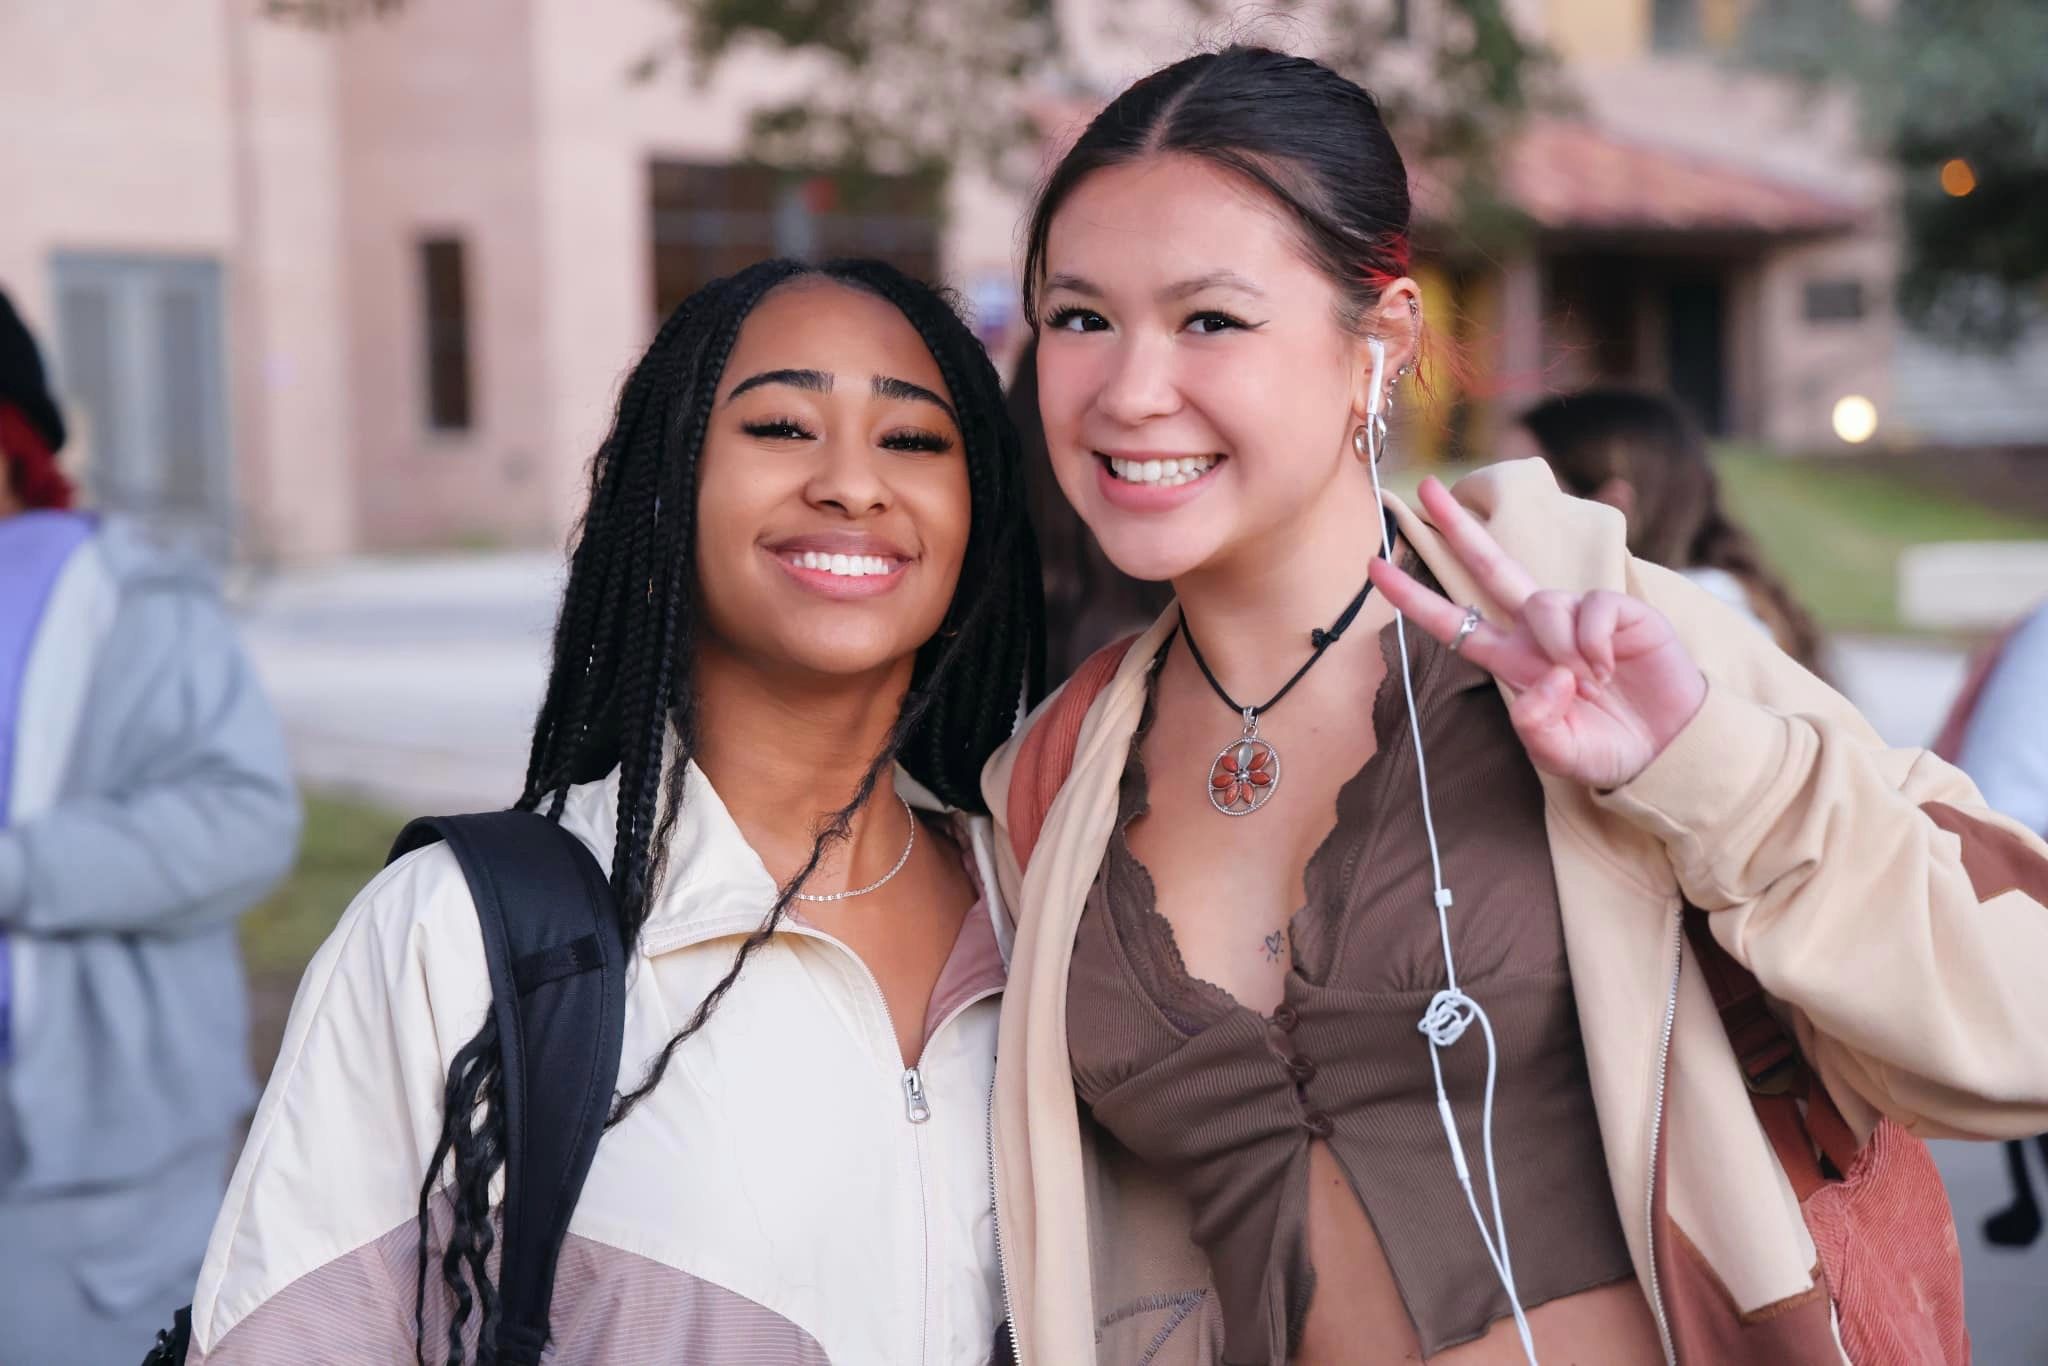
(916, 1105)
(995, 1223)
(916, 1099)
(924, 1217)
(917, 1109)
(1657, 1135)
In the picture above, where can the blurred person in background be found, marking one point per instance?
(1641, 453)
(145, 803)
(1997, 732)
(1088, 600)
(802, 607)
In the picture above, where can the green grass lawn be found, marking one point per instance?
(1835, 532)
(343, 847)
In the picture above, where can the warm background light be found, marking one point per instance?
(1855, 419)
(1957, 178)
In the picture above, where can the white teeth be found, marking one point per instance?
(1166, 473)
(844, 566)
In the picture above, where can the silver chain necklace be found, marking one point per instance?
(881, 881)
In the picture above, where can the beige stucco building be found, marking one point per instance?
(315, 292)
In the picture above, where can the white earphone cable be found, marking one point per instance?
(1450, 1011)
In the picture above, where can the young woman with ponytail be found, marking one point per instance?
(802, 610)
(1374, 905)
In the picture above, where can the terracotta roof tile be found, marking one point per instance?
(1568, 175)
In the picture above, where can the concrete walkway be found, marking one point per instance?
(2006, 1291)
(415, 683)
(410, 682)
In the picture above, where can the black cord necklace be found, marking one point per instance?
(1246, 773)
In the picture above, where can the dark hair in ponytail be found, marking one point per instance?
(1649, 442)
(1312, 140)
(620, 686)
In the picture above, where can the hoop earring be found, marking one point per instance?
(1369, 439)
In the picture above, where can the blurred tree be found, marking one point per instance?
(1956, 93)
(908, 88)
(905, 86)
(901, 86)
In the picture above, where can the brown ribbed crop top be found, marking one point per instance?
(1226, 1102)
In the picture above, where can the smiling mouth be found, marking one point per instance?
(842, 566)
(1166, 473)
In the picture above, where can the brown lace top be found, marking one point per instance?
(1226, 1102)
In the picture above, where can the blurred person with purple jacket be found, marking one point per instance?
(145, 803)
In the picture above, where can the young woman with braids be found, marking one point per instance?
(803, 586)
(1310, 1055)
(1642, 454)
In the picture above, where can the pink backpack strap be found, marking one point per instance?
(1046, 756)
(1777, 1075)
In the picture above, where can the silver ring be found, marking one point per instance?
(1465, 629)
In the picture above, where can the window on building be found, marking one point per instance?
(444, 294)
(141, 351)
(711, 220)
(1400, 20)
(1674, 25)
(1834, 301)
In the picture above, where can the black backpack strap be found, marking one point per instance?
(173, 1343)
(558, 995)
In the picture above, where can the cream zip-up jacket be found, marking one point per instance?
(1897, 923)
(788, 1193)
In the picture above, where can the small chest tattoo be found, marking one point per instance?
(1273, 944)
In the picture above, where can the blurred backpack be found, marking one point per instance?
(558, 994)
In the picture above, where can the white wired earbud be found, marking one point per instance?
(1450, 1011)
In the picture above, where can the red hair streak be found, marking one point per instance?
(1436, 349)
(1398, 252)
(32, 472)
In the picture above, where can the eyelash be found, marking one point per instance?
(1060, 318)
(905, 439)
(777, 429)
(915, 439)
(1230, 324)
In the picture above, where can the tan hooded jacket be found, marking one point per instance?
(1897, 923)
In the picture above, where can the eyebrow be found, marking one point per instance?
(1215, 279)
(886, 386)
(1180, 289)
(817, 381)
(1073, 284)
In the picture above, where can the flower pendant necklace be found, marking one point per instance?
(1246, 772)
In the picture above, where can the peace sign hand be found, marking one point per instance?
(1601, 682)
